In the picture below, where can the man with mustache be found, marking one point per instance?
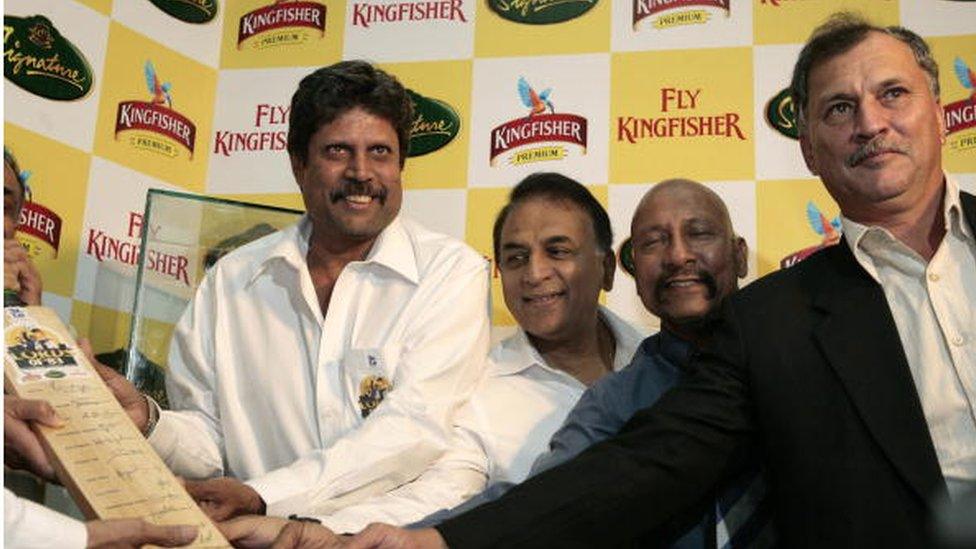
(853, 371)
(553, 246)
(687, 258)
(326, 360)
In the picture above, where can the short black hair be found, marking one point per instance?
(558, 187)
(329, 92)
(838, 35)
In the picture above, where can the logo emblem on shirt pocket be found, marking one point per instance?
(372, 389)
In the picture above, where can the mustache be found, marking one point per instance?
(358, 188)
(875, 146)
(705, 277)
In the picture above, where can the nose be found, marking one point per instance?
(869, 120)
(679, 252)
(537, 270)
(358, 168)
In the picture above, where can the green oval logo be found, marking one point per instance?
(189, 11)
(626, 256)
(781, 115)
(435, 124)
(540, 12)
(38, 59)
(55, 374)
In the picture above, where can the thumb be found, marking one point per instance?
(40, 411)
(85, 345)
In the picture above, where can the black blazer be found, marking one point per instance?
(805, 362)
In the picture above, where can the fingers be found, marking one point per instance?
(290, 536)
(251, 530)
(26, 409)
(136, 533)
(166, 536)
(85, 345)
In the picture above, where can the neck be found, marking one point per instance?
(693, 332)
(920, 225)
(325, 250)
(587, 355)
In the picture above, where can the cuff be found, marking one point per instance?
(164, 437)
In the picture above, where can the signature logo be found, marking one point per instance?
(38, 59)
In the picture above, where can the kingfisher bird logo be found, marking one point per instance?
(540, 125)
(672, 13)
(156, 116)
(961, 115)
(37, 58)
(282, 23)
(829, 231)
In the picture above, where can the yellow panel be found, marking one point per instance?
(287, 46)
(192, 87)
(669, 122)
(790, 21)
(782, 225)
(496, 36)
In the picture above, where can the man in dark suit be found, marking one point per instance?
(854, 371)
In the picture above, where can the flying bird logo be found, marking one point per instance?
(829, 230)
(159, 91)
(536, 102)
(966, 77)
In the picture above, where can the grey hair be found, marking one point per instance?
(838, 35)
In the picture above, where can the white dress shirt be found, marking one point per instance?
(267, 389)
(933, 306)
(27, 525)
(498, 435)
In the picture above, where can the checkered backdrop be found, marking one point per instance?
(192, 95)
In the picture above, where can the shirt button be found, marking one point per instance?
(934, 277)
(958, 340)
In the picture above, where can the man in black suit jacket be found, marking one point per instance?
(832, 367)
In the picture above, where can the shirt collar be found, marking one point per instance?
(673, 348)
(393, 249)
(517, 354)
(864, 240)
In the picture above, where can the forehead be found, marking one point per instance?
(357, 122)
(541, 218)
(676, 205)
(877, 58)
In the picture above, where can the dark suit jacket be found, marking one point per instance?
(808, 363)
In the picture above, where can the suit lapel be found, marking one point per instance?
(859, 338)
(969, 208)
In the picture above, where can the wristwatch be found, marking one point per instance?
(153, 415)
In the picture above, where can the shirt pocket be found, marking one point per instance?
(369, 377)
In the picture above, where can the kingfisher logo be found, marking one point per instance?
(270, 132)
(540, 12)
(39, 228)
(156, 119)
(540, 125)
(781, 114)
(365, 14)
(674, 13)
(41, 61)
(283, 23)
(960, 116)
(188, 11)
(435, 124)
(829, 231)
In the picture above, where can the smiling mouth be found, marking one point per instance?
(683, 283)
(543, 299)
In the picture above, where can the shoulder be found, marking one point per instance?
(435, 251)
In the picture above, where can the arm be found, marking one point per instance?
(458, 474)
(444, 349)
(665, 459)
(189, 438)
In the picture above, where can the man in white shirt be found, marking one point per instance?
(553, 247)
(326, 360)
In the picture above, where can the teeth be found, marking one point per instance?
(683, 283)
(359, 199)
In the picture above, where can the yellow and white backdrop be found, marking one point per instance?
(105, 99)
